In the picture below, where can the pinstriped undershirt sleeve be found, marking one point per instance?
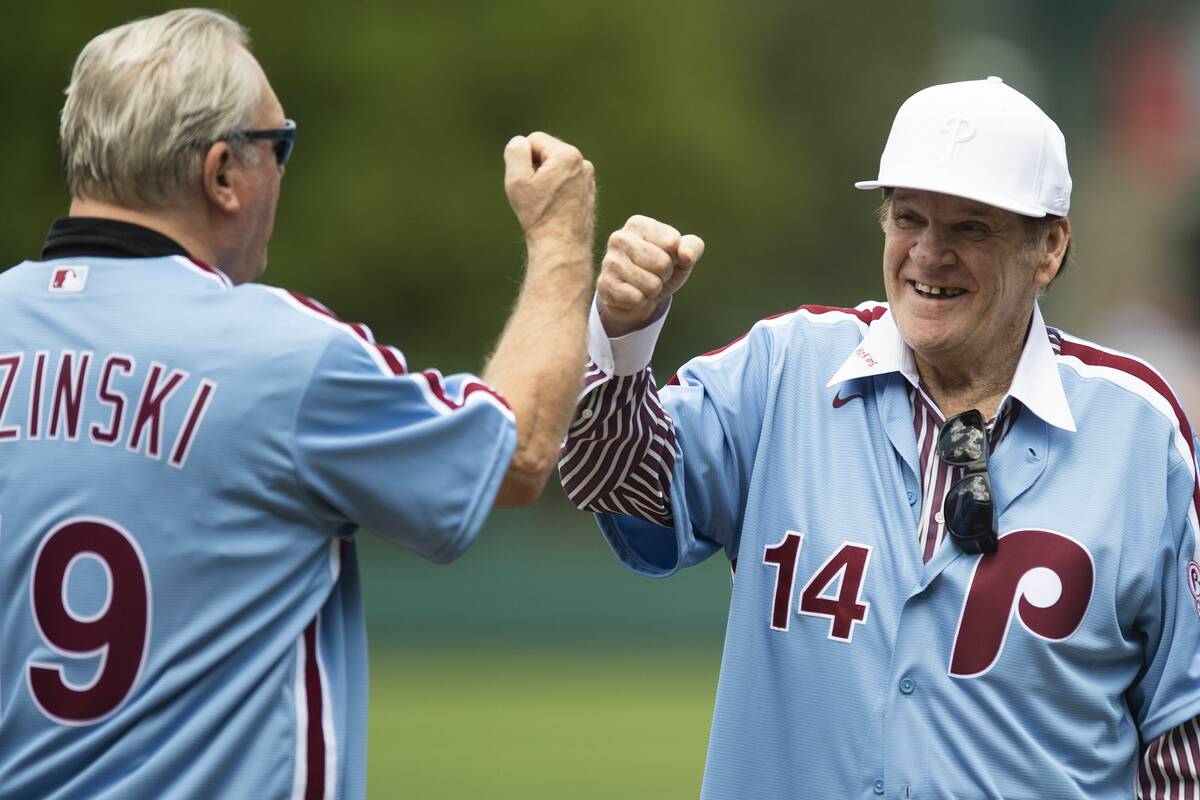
(619, 453)
(1170, 765)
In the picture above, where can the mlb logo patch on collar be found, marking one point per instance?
(69, 279)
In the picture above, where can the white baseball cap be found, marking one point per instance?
(982, 140)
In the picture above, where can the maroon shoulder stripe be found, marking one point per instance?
(866, 316)
(358, 329)
(473, 388)
(216, 273)
(1102, 358)
(434, 379)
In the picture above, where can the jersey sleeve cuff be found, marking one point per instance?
(624, 355)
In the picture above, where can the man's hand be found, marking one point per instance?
(552, 189)
(647, 261)
(536, 365)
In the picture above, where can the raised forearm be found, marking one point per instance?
(538, 361)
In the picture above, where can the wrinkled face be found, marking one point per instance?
(259, 187)
(961, 277)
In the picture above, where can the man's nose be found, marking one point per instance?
(931, 249)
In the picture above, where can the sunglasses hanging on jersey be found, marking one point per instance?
(968, 506)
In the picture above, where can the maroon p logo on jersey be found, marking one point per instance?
(1042, 578)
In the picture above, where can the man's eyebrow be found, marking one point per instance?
(902, 196)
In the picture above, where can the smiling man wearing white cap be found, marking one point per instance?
(964, 542)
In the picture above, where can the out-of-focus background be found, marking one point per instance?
(535, 666)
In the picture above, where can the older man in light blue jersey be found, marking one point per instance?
(964, 542)
(185, 456)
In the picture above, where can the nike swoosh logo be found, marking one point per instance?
(839, 401)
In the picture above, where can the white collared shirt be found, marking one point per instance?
(1036, 385)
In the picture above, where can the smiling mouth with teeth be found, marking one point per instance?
(936, 291)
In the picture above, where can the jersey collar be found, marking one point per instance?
(79, 237)
(1036, 382)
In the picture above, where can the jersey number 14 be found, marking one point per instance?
(1042, 578)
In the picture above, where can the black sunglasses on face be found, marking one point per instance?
(283, 139)
(968, 506)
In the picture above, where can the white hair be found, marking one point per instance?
(147, 99)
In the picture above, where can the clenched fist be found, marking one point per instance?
(551, 188)
(647, 261)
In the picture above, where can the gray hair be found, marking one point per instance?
(147, 99)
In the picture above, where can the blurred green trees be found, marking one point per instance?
(744, 123)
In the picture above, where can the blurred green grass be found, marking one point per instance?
(539, 723)
(536, 666)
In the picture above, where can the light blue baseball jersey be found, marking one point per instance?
(183, 465)
(851, 668)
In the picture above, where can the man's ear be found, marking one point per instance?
(1054, 247)
(217, 178)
